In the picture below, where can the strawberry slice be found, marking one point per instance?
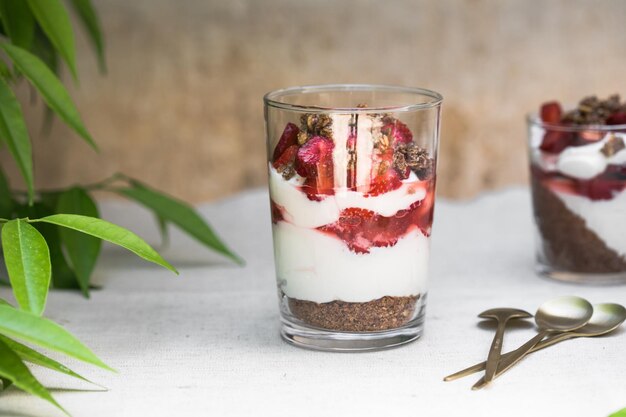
(617, 118)
(397, 131)
(277, 212)
(288, 157)
(555, 141)
(551, 112)
(385, 182)
(287, 139)
(314, 161)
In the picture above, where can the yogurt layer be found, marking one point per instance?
(606, 218)
(302, 212)
(313, 266)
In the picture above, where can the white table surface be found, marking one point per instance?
(207, 344)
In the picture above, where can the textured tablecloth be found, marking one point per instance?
(207, 343)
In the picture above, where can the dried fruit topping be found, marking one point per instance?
(396, 131)
(593, 111)
(551, 112)
(613, 146)
(314, 161)
(287, 139)
(411, 156)
(285, 163)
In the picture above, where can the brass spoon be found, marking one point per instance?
(561, 314)
(502, 316)
(606, 318)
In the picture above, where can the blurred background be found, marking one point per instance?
(181, 104)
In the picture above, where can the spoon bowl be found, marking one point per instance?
(606, 318)
(564, 314)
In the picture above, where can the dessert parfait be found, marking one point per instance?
(352, 198)
(578, 173)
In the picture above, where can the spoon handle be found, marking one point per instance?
(494, 352)
(517, 355)
(481, 366)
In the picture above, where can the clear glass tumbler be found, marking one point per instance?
(578, 180)
(352, 187)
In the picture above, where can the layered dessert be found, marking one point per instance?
(352, 207)
(578, 172)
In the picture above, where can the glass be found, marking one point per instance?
(352, 187)
(578, 180)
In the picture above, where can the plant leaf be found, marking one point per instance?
(27, 258)
(53, 92)
(163, 230)
(55, 22)
(178, 213)
(620, 413)
(40, 331)
(62, 274)
(13, 130)
(83, 250)
(6, 383)
(30, 355)
(89, 18)
(109, 232)
(6, 202)
(12, 367)
(18, 22)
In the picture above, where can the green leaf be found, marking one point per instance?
(4, 303)
(83, 250)
(43, 49)
(18, 22)
(6, 383)
(178, 213)
(62, 274)
(6, 202)
(30, 355)
(89, 18)
(40, 331)
(163, 230)
(12, 367)
(55, 22)
(109, 232)
(13, 130)
(53, 92)
(620, 413)
(27, 259)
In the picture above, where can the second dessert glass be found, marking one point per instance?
(352, 186)
(578, 178)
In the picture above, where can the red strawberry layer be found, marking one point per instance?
(362, 230)
(603, 187)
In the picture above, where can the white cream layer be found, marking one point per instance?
(301, 211)
(606, 218)
(313, 266)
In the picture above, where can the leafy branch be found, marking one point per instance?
(53, 238)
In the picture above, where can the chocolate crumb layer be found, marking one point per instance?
(382, 314)
(567, 243)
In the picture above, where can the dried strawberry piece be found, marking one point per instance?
(287, 139)
(551, 112)
(287, 158)
(396, 131)
(314, 161)
(617, 118)
(555, 141)
(388, 181)
(600, 188)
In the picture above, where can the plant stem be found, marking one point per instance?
(100, 185)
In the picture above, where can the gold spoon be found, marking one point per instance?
(606, 318)
(502, 316)
(561, 314)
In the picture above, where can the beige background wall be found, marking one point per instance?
(181, 105)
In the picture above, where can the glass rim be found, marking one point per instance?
(533, 119)
(272, 98)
